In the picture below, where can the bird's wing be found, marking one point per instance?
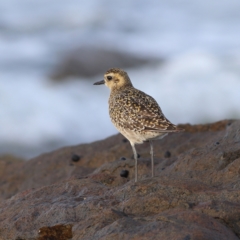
(143, 112)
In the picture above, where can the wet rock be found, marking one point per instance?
(197, 196)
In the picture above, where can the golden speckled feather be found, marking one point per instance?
(134, 113)
(134, 110)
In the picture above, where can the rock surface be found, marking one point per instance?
(91, 61)
(78, 192)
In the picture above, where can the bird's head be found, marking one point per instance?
(115, 79)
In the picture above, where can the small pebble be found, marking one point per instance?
(138, 156)
(124, 173)
(187, 238)
(75, 158)
(217, 143)
(167, 154)
(123, 158)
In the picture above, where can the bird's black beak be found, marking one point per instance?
(99, 83)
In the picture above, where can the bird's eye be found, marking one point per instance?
(109, 77)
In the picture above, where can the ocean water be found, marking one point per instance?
(198, 82)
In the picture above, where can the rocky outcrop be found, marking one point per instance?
(88, 191)
(91, 61)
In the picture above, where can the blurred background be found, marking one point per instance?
(186, 54)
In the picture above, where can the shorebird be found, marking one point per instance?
(136, 115)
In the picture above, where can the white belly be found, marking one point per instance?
(138, 138)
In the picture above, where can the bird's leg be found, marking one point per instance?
(135, 158)
(151, 153)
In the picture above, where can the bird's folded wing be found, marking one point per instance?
(145, 114)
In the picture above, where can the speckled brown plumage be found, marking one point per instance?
(134, 113)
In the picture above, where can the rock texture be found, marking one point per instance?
(83, 192)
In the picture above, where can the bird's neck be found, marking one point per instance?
(117, 88)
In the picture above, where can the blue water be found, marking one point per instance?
(198, 82)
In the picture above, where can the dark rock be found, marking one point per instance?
(167, 154)
(138, 156)
(218, 126)
(123, 158)
(75, 158)
(187, 237)
(124, 173)
(197, 196)
(91, 61)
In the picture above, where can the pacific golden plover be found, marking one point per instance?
(134, 113)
